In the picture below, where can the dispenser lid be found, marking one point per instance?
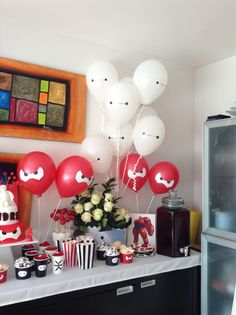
(173, 201)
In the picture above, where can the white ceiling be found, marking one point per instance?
(190, 32)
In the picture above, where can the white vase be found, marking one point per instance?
(109, 236)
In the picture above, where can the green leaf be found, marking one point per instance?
(104, 222)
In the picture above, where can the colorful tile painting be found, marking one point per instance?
(33, 101)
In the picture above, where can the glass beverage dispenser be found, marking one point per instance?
(173, 227)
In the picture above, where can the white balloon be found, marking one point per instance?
(142, 112)
(148, 134)
(149, 111)
(120, 138)
(101, 75)
(121, 102)
(150, 78)
(98, 151)
(127, 79)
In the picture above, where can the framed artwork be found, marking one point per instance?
(22, 197)
(41, 103)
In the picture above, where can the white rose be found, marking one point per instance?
(108, 205)
(78, 208)
(121, 211)
(121, 214)
(85, 193)
(97, 214)
(108, 197)
(88, 206)
(96, 198)
(127, 218)
(86, 217)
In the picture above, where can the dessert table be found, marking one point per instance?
(75, 280)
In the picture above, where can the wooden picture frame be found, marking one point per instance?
(74, 128)
(24, 196)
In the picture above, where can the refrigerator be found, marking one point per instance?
(218, 278)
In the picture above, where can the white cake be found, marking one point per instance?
(11, 228)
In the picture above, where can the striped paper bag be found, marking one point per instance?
(69, 249)
(85, 252)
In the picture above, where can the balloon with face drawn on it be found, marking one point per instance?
(164, 176)
(98, 151)
(73, 176)
(101, 75)
(36, 172)
(148, 134)
(121, 103)
(134, 171)
(120, 138)
(150, 78)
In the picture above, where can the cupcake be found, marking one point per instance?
(126, 254)
(3, 273)
(112, 256)
(23, 268)
(101, 250)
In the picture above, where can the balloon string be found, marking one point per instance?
(58, 205)
(135, 166)
(39, 218)
(137, 202)
(148, 208)
(126, 161)
(103, 117)
(102, 122)
(117, 162)
(139, 115)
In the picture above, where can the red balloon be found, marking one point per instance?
(36, 172)
(163, 177)
(134, 171)
(73, 176)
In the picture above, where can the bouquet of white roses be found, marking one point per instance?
(99, 208)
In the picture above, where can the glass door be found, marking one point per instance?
(218, 276)
(219, 178)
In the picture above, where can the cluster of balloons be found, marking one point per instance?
(134, 172)
(121, 100)
(36, 171)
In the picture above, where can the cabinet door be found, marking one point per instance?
(218, 276)
(168, 294)
(219, 180)
(113, 300)
(45, 306)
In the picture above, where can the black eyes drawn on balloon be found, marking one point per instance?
(144, 133)
(125, 103)
(114, 138)
(105, 79)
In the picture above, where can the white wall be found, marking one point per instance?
(215, 92)
(175, 107)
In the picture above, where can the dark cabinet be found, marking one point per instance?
(175, 292)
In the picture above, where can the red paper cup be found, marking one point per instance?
(50, 250)
(43, 245)
(3, 276)
(26, 248)
(126, 258)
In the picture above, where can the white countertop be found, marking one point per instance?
(71, 279)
